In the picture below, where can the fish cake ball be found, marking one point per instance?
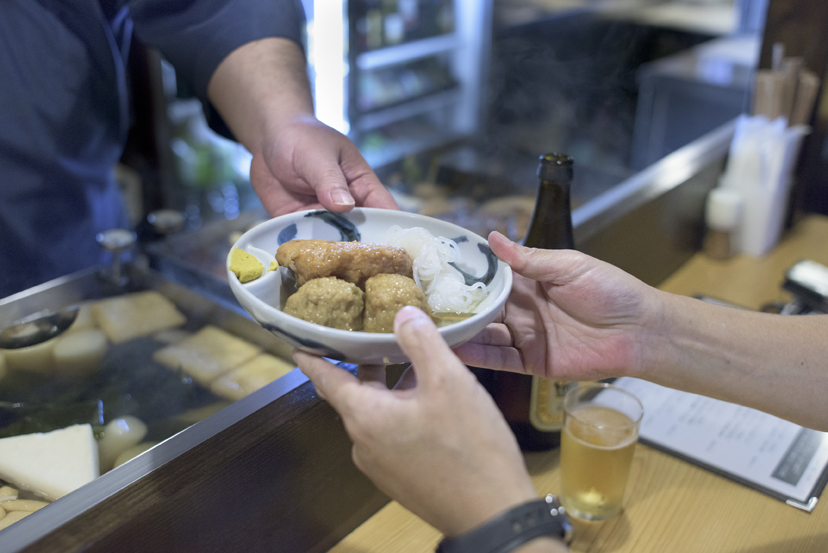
(385, 295)
(329, 302)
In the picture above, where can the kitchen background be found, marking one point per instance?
(452, 101)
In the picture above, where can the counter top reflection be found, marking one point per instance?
(671, 505)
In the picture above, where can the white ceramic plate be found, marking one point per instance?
(262, 297)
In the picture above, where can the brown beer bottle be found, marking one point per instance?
(533, 406)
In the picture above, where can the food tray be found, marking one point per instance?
(256, 475)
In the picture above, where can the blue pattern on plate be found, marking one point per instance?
(296, 341)
(347, 230)
(287, 234)
(491, 259)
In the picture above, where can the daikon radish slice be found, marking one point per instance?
(118, 436)
(80, 353)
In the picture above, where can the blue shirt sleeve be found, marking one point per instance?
(196, 35)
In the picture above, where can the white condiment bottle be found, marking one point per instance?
(723, 216)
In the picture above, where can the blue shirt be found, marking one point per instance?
(64, 111)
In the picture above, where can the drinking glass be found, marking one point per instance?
(601, 423)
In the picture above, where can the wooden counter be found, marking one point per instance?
(671, 506)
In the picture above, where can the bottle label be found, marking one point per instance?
(546, 410)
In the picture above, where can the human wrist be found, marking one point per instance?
(685, 332)
(277, 125)
(543, 544)
(514, 528)
(656, 335)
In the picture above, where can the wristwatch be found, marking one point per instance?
(542, 517)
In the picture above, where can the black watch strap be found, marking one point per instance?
(543, 517)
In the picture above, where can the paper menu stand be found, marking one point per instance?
(766, 145)
(779, 458)
(760, 168)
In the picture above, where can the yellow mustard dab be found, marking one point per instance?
(273, 266)
(245, 266)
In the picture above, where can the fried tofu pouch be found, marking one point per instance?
(250, 376)
(129, 316)
(209, 353)
(352, 262)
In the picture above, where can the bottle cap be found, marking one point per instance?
(724, 209)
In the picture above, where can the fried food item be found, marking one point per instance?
(207, 354)
(329, 302)
(385, 295)
(123, 318)
(250, 376)
(353, 262)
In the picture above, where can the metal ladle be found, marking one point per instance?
(37, 328)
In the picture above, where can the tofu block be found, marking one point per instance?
(50, 464)
(207, 354)
(134, 315)
(250, 376)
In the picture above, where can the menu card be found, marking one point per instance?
(769, 454)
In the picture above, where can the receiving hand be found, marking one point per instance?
(308, 165)
(436, 443)
(569, 317)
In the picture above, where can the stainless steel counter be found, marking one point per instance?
(255, 476)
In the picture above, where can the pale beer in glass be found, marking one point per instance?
(597, 444)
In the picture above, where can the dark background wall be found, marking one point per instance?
(802, 26)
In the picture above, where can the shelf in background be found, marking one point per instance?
(407, 51)
(397, 149)
(711, 18)
(407, 110)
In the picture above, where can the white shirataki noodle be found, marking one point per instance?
(444, 287)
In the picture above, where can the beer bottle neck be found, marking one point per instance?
(551, 226)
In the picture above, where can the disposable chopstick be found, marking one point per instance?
(806, 93)
(768, 94)
(790, 79)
